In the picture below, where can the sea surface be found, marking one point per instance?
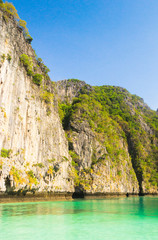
(112, 219)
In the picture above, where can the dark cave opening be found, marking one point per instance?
(78, 193)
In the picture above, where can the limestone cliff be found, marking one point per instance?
(31, 134)
(112, 138)
(69, 136)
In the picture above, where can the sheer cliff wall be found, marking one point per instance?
(30, 130)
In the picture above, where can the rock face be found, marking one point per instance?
(89, 151)
(112, 138)
(28, 126)
(95, 170)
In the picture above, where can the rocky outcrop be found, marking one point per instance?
(95, 151)
(67, 90)
(97, 172)
(94, 169)
(110, 153)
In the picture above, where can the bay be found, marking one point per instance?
(112, 219)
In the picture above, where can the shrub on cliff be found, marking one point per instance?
(37, 79)
(44, 68)
(28, 64)
(5, 153)
(47, 96)
(22, 24)
(9, 9)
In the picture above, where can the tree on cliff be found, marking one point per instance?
(9, 9)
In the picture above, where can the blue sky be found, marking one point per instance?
(103, 42)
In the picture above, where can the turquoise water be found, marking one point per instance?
(112, 219)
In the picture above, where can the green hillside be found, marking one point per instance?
(112, 113)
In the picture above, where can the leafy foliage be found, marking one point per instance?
(28, 64)
(45, 69)
(65, 111)
(5, 153)
(73, 80)
(16, 176)
(37, 79)
(3, 58)
(40, 165)
(47, 96)
(32, 179)
(10, 10)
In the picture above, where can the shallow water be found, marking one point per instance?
(118, 219)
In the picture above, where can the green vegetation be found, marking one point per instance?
(40, 165)
(1, 164)
(16, 176)
(47, 96)
(3, 58)
(22, 24)
(117, 102)
(5, 153)
(9, 58)
(8, 11)
(50, 170)
(32, 179)
(28, 64)
(51, 160)
(113, 113)
(73, 80)
(37, 79)
(65, 158)
(44, 68)
(65, 111)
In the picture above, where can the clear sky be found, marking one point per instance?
(103, 42)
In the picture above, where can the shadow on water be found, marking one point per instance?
(141, 206)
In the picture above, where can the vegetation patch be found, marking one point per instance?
(47, 96)
(32, 179)
(3, 57)
(51, 160)
(37, 79)
(40, 165)
(112, 113)
(50, 170)
(28, 64)
(1, 164)
(5, 153)
(8, 11)
(9, 58)
(16, 176)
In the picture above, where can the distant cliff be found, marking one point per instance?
(69, 136)
(113, 138)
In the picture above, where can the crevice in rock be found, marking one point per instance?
(137, 169)
(8, 184)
